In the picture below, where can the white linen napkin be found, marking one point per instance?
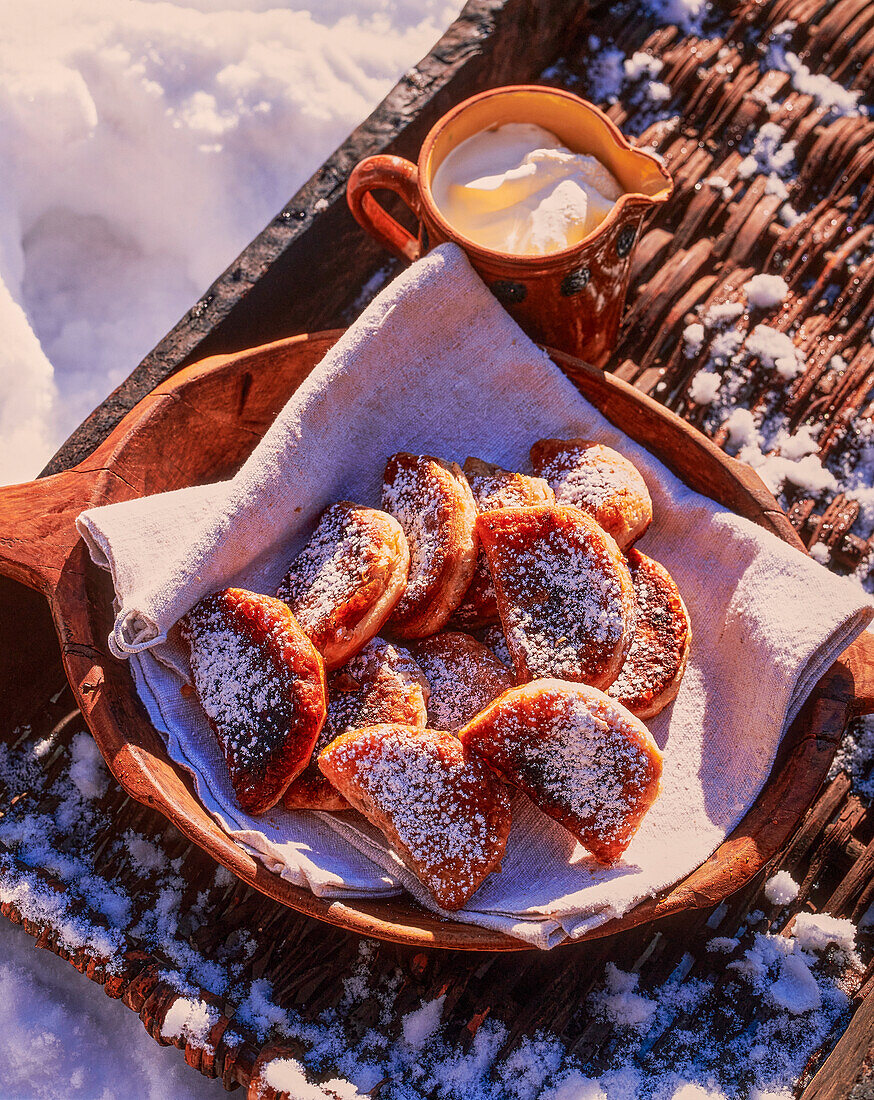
(435, 365)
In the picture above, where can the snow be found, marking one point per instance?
(605, 74)
(830, 95)
(87, 769)
(705, 387)
(642, 64)
(60, 1035)
(288, 1075)
(723, 944)
(420, 1025)
(693, 338)
(776, 350)
(142, 146)
(781, 889)
(620, 1003)
(723, 313)
(741, 428)
(856, 757)
(687, 14)
(795, 989)
(191, 1019)
(765, 291)
(816, 931)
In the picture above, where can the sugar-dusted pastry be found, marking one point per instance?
(600, 481)
(346, 581)
(433, 503)
(564, 593)
(464, 676)
(261, 683)
(581, 757)
(492, 488)
(380, 684)
(493, 637)
(440, 808)
(654, 667)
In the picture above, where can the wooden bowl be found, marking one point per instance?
(198, 427)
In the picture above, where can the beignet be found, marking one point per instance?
(346, 581)
(464, 676)
(261, 683)
(380, 684)
(439, 807)
(492, 488)
(598, 480)
(654, 667)
(433, 503)
(581, 757)
(564, 593)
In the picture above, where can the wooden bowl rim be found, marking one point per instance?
(744, 852)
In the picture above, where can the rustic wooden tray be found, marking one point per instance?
(199, 427)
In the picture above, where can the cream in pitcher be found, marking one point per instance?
(545, 196)
(516, 188)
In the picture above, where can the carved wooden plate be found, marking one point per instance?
(198, 427)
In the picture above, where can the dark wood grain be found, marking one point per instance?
(200, 426)
(844, 1066)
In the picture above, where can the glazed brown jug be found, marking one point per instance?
(570, 299)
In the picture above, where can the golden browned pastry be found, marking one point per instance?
(654, 667)
(492, 488)
(380, 684)
(440, 808)
(261, 683)
(345, 582)
(433, 503)
(464, 676)
(564, 593)
(581, 757)
(598, 480)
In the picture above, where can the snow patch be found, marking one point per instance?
(765, 291)
(420, 1025)
(817, 931)
(87, 769)
(704, 388)
(781, 889)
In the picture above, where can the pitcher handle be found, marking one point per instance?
(391, 174)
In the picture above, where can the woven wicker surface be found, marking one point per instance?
(701, 250)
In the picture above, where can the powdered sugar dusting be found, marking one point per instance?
(245, 694)
(352, 552)
(580, 757)
(444, 808)
(492, 488)
(493, 637)
(464, 675)
(382, 683)
(420, 500)
(587, 476)
(565, 610)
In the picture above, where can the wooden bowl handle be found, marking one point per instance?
(38, 521)
(390, 174)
